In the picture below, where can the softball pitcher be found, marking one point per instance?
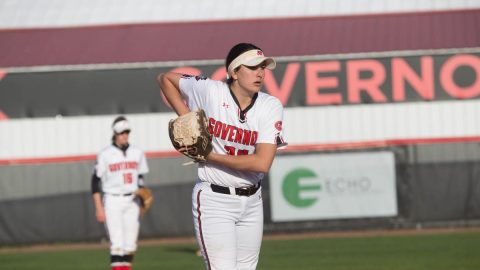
(118, 173)
(246, 125)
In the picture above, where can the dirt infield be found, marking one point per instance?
(191, 240)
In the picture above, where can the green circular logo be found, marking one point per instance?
(292, 188)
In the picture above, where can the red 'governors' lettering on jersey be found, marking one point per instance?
(123, 166)
(232, 133)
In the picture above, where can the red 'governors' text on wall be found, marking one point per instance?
(375, 80)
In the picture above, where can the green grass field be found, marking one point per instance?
(445, 251)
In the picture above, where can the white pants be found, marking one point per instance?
(123, 223)
(228, 228)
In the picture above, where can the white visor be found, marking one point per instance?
(121, 126)
(250, 59)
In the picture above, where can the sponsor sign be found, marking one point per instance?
(333, 186)
(296, 82)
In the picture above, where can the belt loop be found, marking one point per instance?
(232, 190)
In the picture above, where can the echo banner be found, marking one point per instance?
(333, 186)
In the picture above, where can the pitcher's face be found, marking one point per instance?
(250, 79)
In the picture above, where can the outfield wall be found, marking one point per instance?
(421, 107)
(434, 184)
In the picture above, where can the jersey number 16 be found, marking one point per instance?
(127, 178)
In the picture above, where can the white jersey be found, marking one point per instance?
(232, 134)
(119, 171)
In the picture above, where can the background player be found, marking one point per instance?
(118, 173)
(246, 125)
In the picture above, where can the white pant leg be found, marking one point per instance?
(250, 232)
(114, 224)
(214, 216)
(131, 225)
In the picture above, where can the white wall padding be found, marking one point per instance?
(74, 136)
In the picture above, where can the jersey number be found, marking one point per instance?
(127, 178)
(232, 151)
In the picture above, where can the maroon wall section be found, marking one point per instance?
(212, 40)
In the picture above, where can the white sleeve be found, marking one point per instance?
(100, 166)
(194, 90)
(272, 130)
(143, 166)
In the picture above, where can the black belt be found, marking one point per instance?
(126, 194)
(248, 191)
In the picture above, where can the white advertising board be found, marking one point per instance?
(333, 186)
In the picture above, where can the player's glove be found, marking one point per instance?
(190, 136)
(145, 197)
